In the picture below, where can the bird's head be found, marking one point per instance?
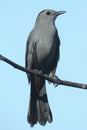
(48, 16)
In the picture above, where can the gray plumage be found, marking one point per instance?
(42, 53)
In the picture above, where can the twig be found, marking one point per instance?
(56, 81)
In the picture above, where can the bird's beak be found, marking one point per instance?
(60, 12)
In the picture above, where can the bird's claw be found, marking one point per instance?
(56, 81)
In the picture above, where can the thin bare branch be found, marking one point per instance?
(54, 80)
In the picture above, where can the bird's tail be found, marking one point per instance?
(39, 110)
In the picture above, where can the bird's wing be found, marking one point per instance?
(29, 55)
(27, 64)
(57, 55)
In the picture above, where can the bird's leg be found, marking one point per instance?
(55, 78)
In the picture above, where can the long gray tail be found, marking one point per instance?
(39, 110)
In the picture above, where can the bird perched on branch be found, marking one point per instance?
(42, 53)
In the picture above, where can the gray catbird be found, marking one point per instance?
(42, 53)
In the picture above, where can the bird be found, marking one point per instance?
(42, 53)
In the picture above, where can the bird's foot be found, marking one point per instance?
(55, 78)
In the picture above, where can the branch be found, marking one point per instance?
(55, 81)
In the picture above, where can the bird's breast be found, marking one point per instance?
(46, 49)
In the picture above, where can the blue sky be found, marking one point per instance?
(68, 105)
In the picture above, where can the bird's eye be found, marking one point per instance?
(48, 13)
